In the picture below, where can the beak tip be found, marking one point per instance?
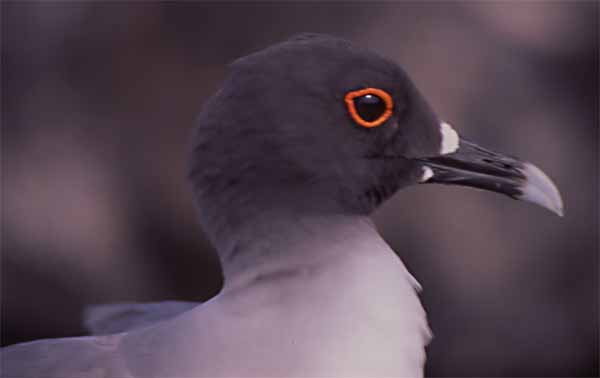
(538, 188)
(558, 210)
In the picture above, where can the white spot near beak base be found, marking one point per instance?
(450, 139)
(427, 174)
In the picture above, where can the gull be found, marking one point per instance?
(303, 141)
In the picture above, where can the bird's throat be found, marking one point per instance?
(278, 245)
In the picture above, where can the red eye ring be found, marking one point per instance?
(387, 99)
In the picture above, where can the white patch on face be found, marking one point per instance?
(450, 139)
(427, 174)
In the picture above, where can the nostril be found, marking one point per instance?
(497, 163)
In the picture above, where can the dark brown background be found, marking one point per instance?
(98, 100)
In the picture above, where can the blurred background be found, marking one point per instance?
(98, 102)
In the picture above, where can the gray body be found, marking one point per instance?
(350, 309)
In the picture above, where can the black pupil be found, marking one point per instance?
(369, 107)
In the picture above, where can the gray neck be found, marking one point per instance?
(285, 242)
(265, 211)
(261, 221)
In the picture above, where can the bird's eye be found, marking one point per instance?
(369, 107)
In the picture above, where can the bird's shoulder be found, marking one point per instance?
(74, 357)
(120, 317)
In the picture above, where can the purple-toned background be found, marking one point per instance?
(98, 101)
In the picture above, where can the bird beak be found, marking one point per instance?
(471, 165)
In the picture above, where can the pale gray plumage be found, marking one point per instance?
(285, 181)
(349, 294)
(120, 317)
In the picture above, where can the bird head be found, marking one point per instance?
(324, 124)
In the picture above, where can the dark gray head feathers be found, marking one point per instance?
(278, 132)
